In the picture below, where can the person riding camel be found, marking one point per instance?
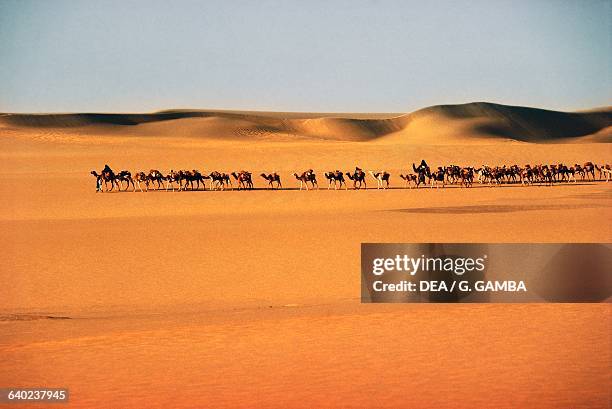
(422, 171)
(422, 167)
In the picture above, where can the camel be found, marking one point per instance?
(437, 177)
(306, 177)
(191, 176)
(140, 177)
(604, 170)
(408, 178)
(555, 170)
(578, 169)
(453, 174)
(467, 177)
(526, 176)
(220, 180)
(331, 178)
(109, 175)
(181, 178)
(125, 176)
(481, 174)
(106, 176)
(492, 176)
(357, 177)
(186, 179)
(244, 179)
(496, 176)
(337, 177)
(216, 180)
(226, 180)
(382, 178)
(513, 173)
(155, 176)
(489, 175)
(546, 175)
(589, 169)
(170, 179)
(271, 178)
(566, 173)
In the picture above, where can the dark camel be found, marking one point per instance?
(271, 178)
(357, 177)
(106, 176)
(193, 176)
(220, 180)
(437, 177)
(125, 176)
(565, 173)
(589, 169)
(337, 177)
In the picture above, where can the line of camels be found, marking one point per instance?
(422, 175)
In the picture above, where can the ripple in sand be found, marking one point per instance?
(30, 317)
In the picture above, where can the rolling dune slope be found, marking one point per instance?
(443, 124)
(514, 122)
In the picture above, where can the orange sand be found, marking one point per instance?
(251, 299)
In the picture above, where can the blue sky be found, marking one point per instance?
(325, 56)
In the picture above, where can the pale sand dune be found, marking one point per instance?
(434, 125)
(251, 299)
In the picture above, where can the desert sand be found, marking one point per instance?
(251, 299)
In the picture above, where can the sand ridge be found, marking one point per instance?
(441, 124)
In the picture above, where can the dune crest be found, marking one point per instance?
(441, 124)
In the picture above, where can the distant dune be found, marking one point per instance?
(443, 124)
(518, 123)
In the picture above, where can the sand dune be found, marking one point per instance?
(441, 124)
(521, 123)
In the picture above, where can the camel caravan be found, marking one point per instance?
(422, 175)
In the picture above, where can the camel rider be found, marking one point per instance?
(423, 166)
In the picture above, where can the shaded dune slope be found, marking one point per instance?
(435, 124)
(522, 123)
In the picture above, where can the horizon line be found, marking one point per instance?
(255, 111)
